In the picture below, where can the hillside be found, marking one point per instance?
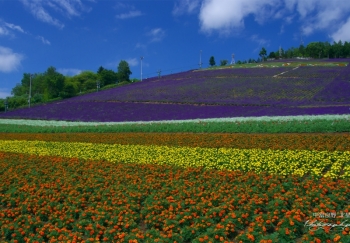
(231, 92)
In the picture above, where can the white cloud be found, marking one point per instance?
(139, 45)
(69, 8)
(9, 61)
(156, 34)
(186, 6)
(130, 14)
(132, 62)
(4, 93)
(69, 71)
(6, 28)
(43, 40)
(227, 16)
(15, 27)
(259, 40)
(37, 9)
(343, 33)
(4, 31)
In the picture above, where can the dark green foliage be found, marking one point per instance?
(223, 62)
(54, 82)
(37, 98)
(124, 71)
(2, 105)
(272, 55)
(263, 53)
(212, 61)
(69, 90)
(108, 77)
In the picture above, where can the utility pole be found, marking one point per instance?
(6, 105)
(141, 67)
(159, 71)
(200, 59)
(98, 83)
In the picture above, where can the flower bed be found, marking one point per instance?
(290, 141)
(52, 199)
(283, 162)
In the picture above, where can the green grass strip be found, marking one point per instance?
(244, 126)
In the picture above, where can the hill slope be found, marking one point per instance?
(208, 94)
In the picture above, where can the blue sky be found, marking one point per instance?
(78, 35)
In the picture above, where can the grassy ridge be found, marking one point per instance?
(290, 141)
(249, 126)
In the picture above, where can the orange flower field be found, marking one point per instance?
(55, 199)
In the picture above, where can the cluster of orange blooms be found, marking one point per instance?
(54, 199)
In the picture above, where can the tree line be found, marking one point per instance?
(316, 50)
(312, 50)
(52, 85)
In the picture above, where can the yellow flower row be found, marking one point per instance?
(283, 162)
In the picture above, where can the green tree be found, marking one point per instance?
(212, 61)
(124, 71)
(108, 77)
(18, 90)
(327, 49)
(302, 50)
(262, 53)
(85, 80)
(338, 49)
(54, 82)
(272, 55)
(100, 69)
(314, 49)
(346, 49)
(223, 62)
(70, 89)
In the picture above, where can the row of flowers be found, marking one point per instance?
(55, 199)
(294, 141)
(283, 162)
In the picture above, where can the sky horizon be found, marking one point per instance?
(80, 35)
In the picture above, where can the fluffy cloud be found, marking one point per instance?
(7, 28)
(343, 33)
(130, 14)
(227, 16)
(69, 8)
(4, 31)
(37, 9)
(132, 62)
(186, 6)
(259, 40)
(43, 40)
(156, 34)
(14, 27)
(9, 61)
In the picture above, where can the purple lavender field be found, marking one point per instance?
(237, 92)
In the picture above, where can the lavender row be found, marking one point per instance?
(338, 89)
(119, 112)
(225, 90)
(220, 87)
(314, 72)
(185, 78)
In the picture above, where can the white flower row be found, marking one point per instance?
(234, 119)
